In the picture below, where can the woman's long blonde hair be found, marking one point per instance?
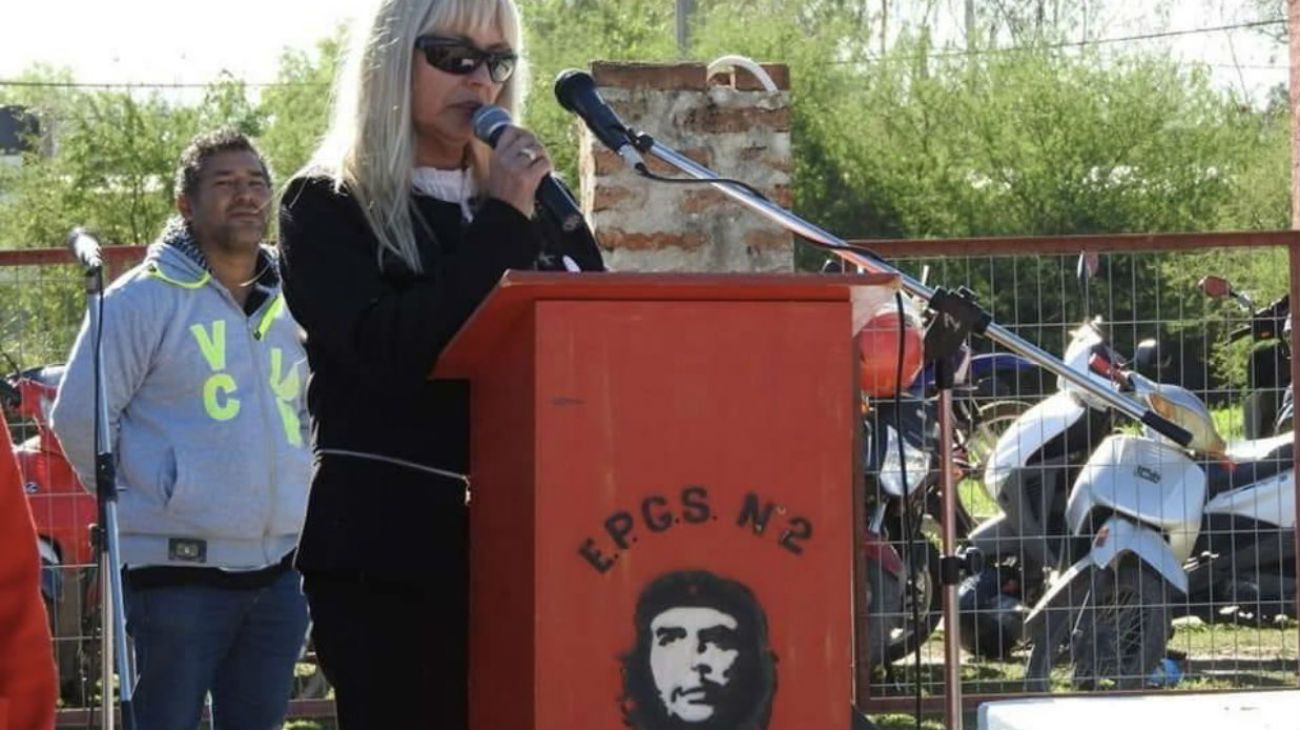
(369, 148)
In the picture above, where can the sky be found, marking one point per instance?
(163, 41)
(193, 41)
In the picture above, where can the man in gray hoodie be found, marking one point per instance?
(203, 375)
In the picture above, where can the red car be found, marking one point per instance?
(65, 515)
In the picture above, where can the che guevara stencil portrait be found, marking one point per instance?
(702, 659)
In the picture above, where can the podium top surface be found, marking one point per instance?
(518, 290)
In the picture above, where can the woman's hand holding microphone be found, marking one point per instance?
(518, 164)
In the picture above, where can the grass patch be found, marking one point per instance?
(1217, 656)
(905, 722)
(977, 501)
(1229, 422)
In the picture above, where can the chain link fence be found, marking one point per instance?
(1112, 559)
(42, 305)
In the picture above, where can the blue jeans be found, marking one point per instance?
(240, 645)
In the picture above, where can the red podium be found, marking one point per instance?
(663, 489)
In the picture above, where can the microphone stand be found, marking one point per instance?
(958, 314)
(985, 326)
(112, 616)
(955, 562)
(949, 563)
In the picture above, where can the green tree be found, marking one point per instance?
(296, 107)
(105, 161)
(1039, 141)
(923, 142)
(562, 34)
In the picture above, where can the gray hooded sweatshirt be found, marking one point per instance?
(205, 407)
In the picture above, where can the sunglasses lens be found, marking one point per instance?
(460, 59)
(501, 67)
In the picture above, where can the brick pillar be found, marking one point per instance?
(728, 124)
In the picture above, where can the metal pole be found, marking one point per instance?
(685, 9)
(993, 331)
(112, 615)
(113, 629)
(951, 625)
(1293, 252)
(107, 649)
(884, 26)
(970, 25)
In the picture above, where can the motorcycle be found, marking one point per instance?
(65, 516)
(893, 481)
(991, 390)
(902, 557)
(1028, 476)
(1243, 567)
(901, 468)
(1139, 510)
(1269, 373)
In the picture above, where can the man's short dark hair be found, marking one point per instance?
(206, 145)
(755, 678)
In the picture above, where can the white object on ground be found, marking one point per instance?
(1261, 710)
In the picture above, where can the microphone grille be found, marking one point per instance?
(569, 83)
(488, 120)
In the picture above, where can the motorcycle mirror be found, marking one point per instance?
(1101, 365)
(1089, 263)
(1215, 286)
(1146, 358)
(833, 265)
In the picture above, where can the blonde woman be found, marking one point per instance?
(390, 238)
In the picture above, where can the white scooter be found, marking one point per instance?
(1029, 475)
(1147, 506)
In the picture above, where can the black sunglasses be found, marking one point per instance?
(455, 56)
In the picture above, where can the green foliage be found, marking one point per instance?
(107, 161)
(40, 310)
(920, 142)
(1035, 143)
(930, 142)
(296, 109)
(563, 34)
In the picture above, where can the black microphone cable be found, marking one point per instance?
(644, 143)
(908, 520)
(644, 172)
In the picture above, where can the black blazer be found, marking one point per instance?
(372, 335)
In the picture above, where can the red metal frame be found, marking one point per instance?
(891, 249)
(119, 257)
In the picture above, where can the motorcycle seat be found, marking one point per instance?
(1221, 477)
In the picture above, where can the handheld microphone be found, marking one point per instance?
(85, 248)
(576, 92)
(489, 122)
